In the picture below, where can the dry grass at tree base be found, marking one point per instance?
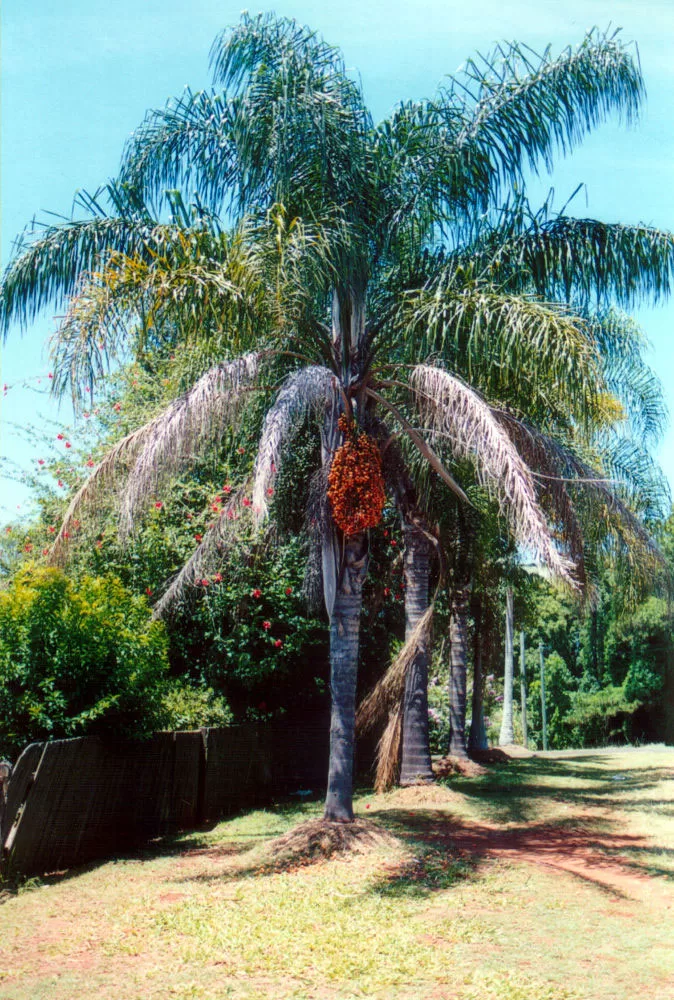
(545, 878)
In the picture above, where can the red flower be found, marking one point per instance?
(45, 552)
(149, 591)
(205, 582)
(217, 578)
(231, 515)
(399, 597)
(66, 534)
(226, 488)
(158, 505)
(8, 531)
(387, 591)
(68, 444)
(51, 529)
(246, 502)
(270, 491)
(241, 451)
(189, 516)
(367, 806)
(197, 538)
(289, 591)
(117, 407)
(278, 644)
(50, 375)
(266, 626)
(90, 463)
(28, 547)
(257, 593)
(40, 461)
(215, 507)
(86, 415)
(393, 543)
(59, 437)
(59, 483)
(386, 534)
(99, 544)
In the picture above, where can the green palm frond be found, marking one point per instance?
(525, 107)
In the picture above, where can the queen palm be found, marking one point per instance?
(340, 238)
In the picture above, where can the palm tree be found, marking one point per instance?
(344, 240)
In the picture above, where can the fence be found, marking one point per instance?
(72, 801)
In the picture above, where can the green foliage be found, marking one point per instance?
(185, 706)
(77, 658)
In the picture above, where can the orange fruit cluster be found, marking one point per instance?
(355, 481)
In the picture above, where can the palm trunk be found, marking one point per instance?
(458, 636)
(477, 739)
(344, 629)
(416, 755)
(507, 736)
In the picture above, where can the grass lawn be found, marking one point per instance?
(546, 878)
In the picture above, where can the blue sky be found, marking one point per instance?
(76, 81)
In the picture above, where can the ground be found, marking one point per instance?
(544, 878)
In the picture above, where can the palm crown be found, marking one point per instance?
(368, 271)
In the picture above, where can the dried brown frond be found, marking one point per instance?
(458, 413)
(102, 477)
(309, 389)
(208, 556)
(387, 694)
(319, 838)
(185, 430)
(387, 759)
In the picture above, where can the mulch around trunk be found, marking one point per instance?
(319, 838)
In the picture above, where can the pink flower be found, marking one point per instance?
(86, 415)
(246, 502)
(68, 444)
(266, 626)
(278, 644)
(189, 516)
(217, 578)
(158, 505)
(59, 437)
(40, 461)
(59, 483)
(226, 488)
(231, 515)
(270, 491)
(257, 593)
(117, 407)
(50, 375)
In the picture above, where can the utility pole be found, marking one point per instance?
(543, 716)
(523, 692)
(506, 736)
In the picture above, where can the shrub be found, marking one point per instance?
(77, 658)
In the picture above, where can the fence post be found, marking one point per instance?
(543, 715)
(523, 692)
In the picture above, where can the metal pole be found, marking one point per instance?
(545, 722)
(523, 692)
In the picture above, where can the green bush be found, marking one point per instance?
(77, 658)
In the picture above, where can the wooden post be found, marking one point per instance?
(523, 692)
(543, 716)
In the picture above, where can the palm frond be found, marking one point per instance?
(190, 424)
(211, 553)
(308, 390)
(509, 343)
(451, 408)
(526, 107)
